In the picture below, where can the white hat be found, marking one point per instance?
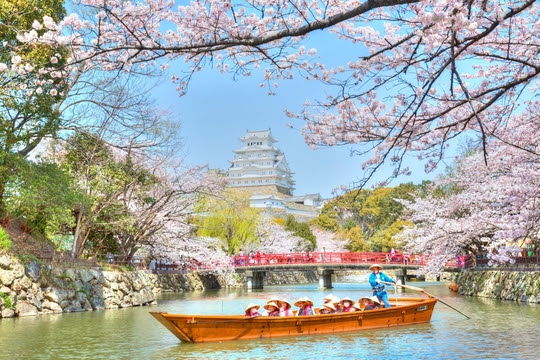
(304, 299)
(375, 300)
(250, 306)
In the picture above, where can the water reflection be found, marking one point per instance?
(498, 330)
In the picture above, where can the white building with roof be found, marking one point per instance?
(260, 164)
(260, 168)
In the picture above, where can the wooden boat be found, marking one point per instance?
(208, 328)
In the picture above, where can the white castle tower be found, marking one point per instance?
(260, 167)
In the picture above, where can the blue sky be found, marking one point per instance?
(217, 111)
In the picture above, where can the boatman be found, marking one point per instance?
(375, 280)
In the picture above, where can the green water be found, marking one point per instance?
(498, 330)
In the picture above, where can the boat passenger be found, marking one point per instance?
(305, 305)
(374, 304)
(272, 308)
(251, 310)
(364, 303)
(284, 308)
(329, 298)
(375, 280)
(346, 305)
(328, 308)
(337, 304)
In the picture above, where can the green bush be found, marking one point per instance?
(8, 304)
(5, 241)
(302, 230)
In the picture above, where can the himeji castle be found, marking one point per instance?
(261, 169)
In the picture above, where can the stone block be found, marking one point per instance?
(25, 283)
(86, 305)
(123, 288)
(58, 295)
(97, 303)
(111, 303)
(18, 270)
(142, 297)
(6, 277)
(5, 261)
(8, 313)
(25, 309)
(110, 276)
(74, 306)
(106, 293)
(33, 270)
(21, 295)
(86, 275)
(51, 306)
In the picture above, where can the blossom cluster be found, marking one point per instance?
(490, 209)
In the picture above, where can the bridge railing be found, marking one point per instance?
(328, 258)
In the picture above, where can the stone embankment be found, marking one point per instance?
(521, 286)
(33, 289)
(277, 277)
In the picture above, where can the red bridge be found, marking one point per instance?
(345, 258)
(256, 266)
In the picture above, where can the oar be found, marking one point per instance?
(428, 294)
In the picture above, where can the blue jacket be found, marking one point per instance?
(382, 277)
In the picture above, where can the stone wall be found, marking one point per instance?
(277, 277)
(33, 289)
(521, 286)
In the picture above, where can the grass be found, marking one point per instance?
(8, 304)
(122, 268)
(5, 241)
(27, 258)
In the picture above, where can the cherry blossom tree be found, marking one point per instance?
(490, 209)
(328, 241)
(426, 71)
(275, 239)
(191, 252)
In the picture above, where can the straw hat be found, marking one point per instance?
(330, 297)
(375, 266)
(330, 306)
(375, 300)
(250, 306)
(346, 299)
(304, 299)
(285, 302)
(362, 298)
(271, 303)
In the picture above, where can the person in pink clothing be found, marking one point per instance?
(284, 308)
(347, 305)
(252, 310)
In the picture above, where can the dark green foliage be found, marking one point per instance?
(302, 230)
(43, 195)
(26, 120)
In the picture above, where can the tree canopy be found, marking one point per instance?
(426, 71)
(368, 219)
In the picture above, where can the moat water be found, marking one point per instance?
(497, 330)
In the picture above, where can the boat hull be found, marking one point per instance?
(211, 328)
